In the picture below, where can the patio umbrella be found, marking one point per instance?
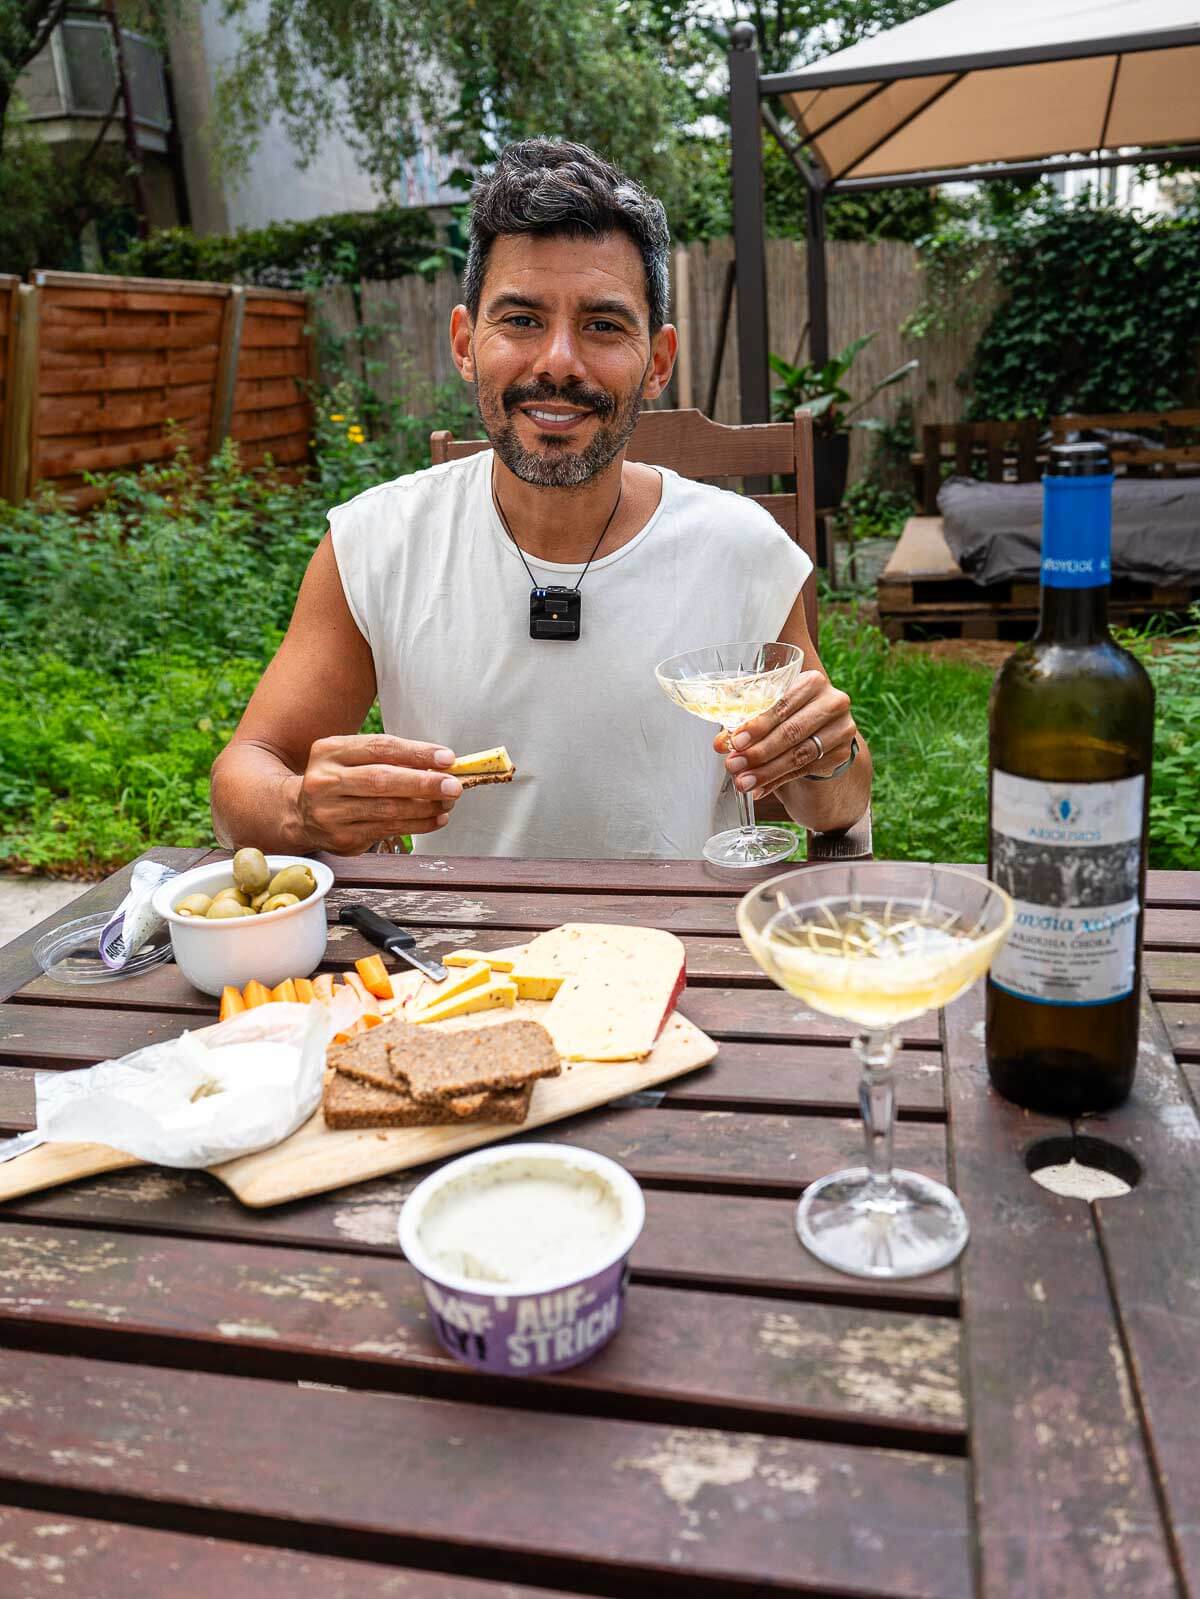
(972, 90)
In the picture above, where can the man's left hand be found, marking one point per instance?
(779, 744)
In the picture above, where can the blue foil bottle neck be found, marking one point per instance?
(1076, 532)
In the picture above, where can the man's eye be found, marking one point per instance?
(603, 326)
(519, 320)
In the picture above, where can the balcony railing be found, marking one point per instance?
(76, 75)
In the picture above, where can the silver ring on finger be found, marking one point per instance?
(816, 738)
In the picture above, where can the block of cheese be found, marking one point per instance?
(615, 987)
(495, 993)
(500, 960)
(540, 969)
(482, 761)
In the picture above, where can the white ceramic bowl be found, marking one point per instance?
(230, 952)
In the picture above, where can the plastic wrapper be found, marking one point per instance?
(195, 1100)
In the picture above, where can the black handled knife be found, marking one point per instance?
(388, 936)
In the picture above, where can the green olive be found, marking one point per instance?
(298, 880)
(278, 902)
(239, 895)
(193, 905)
(259, 900)
(222, 910)
(250, 870)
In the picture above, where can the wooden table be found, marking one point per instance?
(203, 1400)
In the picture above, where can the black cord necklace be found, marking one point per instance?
(556, 612)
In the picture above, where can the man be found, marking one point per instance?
(421, 591)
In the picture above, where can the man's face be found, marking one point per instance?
(560, 352)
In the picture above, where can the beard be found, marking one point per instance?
(557, 465)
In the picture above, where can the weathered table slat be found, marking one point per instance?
(1183, 1029)
(1172, 976)
(519, 1494)
(50, 1035)
(691, 1239)
(1064, 1497)
(687, 1357)
(49, 1556)
(1151, 1242)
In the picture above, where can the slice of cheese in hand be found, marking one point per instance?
(484, 761)
(495, 992)
(615, 987)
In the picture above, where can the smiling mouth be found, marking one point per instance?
(551, 421)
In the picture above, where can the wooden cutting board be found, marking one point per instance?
(315, 1159)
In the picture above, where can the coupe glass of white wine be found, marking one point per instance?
(729, 684)
(877, 944)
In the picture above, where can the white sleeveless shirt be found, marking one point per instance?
(606, 764)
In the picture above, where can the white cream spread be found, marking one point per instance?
(525, 1220)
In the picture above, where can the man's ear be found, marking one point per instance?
(460, 343)
(663, 349)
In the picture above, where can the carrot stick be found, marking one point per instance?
(231, 1002)
(284, 993)
(304, 991)
(256, 993)
(375, 976)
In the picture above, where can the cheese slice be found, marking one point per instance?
(500, 960)
(495, 993)
(496, 760)
(617, 987)
(474, 976)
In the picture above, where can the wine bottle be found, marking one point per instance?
(1071, 739)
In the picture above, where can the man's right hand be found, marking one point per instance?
(360, 788)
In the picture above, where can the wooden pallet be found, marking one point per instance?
(923, 590)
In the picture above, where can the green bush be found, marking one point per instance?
(341, 248)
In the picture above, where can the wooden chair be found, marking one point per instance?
(694, 446)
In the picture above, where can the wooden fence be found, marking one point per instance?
(101, 373)
(403, 329)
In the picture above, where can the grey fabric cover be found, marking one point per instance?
(994, 530)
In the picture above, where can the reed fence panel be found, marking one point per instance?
(397, 337)
(873, 288)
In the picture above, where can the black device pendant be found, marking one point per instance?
(555, 613)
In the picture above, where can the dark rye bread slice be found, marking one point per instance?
(351, 1104)
(436, 1066)
(364, 1057)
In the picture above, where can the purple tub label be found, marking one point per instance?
(534, 1334)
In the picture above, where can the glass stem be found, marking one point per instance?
(745, 801)
(877, 1101)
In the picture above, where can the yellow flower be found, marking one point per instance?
(356, 435)
(336, 416)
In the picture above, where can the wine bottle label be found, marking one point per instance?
(1069, 854)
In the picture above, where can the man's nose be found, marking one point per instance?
(559, 359)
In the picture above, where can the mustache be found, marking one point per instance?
(570, 394)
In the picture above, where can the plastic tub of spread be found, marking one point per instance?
(523, 1253)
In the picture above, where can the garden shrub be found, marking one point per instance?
(342, 248)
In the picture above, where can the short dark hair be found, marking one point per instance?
(550, 186)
